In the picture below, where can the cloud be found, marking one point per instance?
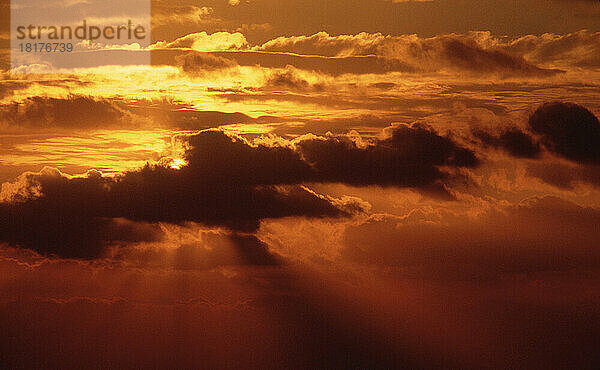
(64, 218)
(333, 66)
(467, 55)
(514, 141)
(580, 49)
(90, 113)
(563, 138)
(538, 234)
(201, 41)
(289, 79)
(201, 63)
(384, 85)
(8, 88)
(325, 45)
(78, 217)
(564, 174)
(227, 182)
(568, 130)
(73, 112)
(192, 248)
(186, 14)
(410, 157)
(476, 52)
(522, 53)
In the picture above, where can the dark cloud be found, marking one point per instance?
(233, 161)
(253, 251)
(513, 140)
(472, 57)
(72, 112)
(88, 113)
(187, 118)
(568, 130)
(76, 217)
(228, 182)
(410, 157)
(288, 80)
(565, 129)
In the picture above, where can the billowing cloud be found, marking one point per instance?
(568, 130)
(334, 66)
(580, 49)
(476, 52)
(201, 41)
(410, 157)
(479, 51)
(227, 182)
(289, 79)
(77, 217)
(323, 44)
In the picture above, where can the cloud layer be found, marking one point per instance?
(227, 182)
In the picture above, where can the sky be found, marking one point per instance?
(306, 184)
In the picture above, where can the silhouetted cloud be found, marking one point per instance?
(228, 182)
(75, 217)
(410, 157)
(568, 130)
(514, 141)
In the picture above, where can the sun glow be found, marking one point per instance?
(178, 163)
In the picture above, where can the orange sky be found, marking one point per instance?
(307, 184)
